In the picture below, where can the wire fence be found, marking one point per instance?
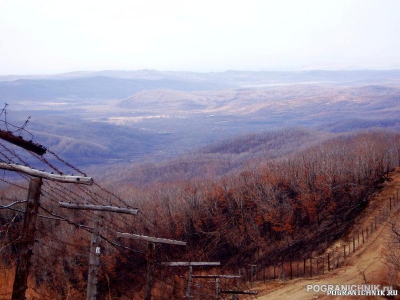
(306, 267)
(61, 238)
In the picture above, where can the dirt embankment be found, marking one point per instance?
(367, 265)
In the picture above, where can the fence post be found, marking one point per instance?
(304, 267)
(329, 263)
(27, 238)
(265, 267)
(323, 265)
(298, 269)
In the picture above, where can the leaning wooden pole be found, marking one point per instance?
(28, 239)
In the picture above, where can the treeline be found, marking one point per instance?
(276, 209)
(270, 209)
(218, 159)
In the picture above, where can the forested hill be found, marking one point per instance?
(97, 118)
(219, 158)
(294, 205)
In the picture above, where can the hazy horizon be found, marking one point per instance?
(42, 37)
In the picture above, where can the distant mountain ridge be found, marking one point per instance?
(99, 87)
(123, 116)
(121, 84)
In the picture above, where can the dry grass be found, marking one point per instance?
(6, 282)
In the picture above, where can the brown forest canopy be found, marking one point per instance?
(262, 210)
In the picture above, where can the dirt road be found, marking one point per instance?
(365, 266)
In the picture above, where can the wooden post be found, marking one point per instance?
(217, 281)
(28, 239)
(291, 270)
(344, 252)
(188, 292)
(32, 206)
(190, 265)
(304, 267)
(150, 270)
(41, 174)
(151, 255)
(94, 255)
(94, 261)
(217, 289)
(20, 142)
(329, 263)
(323, 265)
(310, 266)
(265, 267)
(354, 244)
(298, 268)
(252, 273)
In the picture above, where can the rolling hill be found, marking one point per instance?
(119, 116)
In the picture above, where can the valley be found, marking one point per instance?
(164, 114)
(247, 168)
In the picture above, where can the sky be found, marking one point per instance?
(54, 36)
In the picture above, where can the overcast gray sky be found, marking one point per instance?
(51, 36)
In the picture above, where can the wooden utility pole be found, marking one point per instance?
(150, 256)
(94, 254)
(94, 260)
(30, 218)
(28, 239)
(190, 265)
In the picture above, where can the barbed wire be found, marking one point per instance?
(53, 192)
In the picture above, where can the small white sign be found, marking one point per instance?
(97, 250)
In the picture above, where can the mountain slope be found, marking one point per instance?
(367, 263)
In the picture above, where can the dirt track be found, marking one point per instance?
(366, 265)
